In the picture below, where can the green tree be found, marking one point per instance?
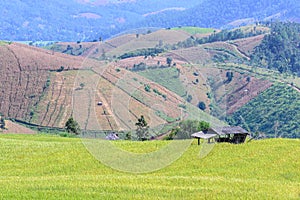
(229, 76)
(188, 127)
(128, 136)
(201, 105)
(147, 88)
(2, 122)
(189, 98)
(142, 130)
(203, 126)
(280, 49)
(72, 126)
(169, 61)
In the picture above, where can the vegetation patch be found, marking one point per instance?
(194, 30)
(167, 77)
(275, 112)
(142, 52)
(3, 42)
(164, 116)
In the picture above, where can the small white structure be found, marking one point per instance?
(203, 135)
(112, 136)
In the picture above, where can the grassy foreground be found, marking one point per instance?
(48, 167)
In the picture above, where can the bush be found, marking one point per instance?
(128, 136)
(188, 127)
(189, 98)
(60, 69)
(201, 105)
(203, 126)
(147, 88)
(72, 126)
(2, 123)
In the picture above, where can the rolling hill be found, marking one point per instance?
(44, 88)
(25, 77)
(164, 75)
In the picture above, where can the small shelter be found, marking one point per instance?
(112, 136)
(202, 135)
(231, 134)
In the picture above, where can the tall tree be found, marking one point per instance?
(202, 105)
(72, 126)
(142, 130)
(203, 126)
(169, 61)
(2, 122)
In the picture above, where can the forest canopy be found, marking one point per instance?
(280, 50)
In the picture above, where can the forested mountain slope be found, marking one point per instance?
(218, 13)
(76, 20)
(280, 50)
(89, 20)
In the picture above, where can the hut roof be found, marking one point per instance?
(229, 130)
(212, 132)
(203, 135)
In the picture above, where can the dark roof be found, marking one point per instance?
(229, 130)
(203, 135)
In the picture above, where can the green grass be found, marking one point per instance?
(3, 42)
(163, 115)
(48, 167)
(195, 30)
(167, 77)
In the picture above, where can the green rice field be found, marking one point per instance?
(50, 167)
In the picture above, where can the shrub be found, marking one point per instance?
(72, 126)
(201, 105)
(147, 88)
(189, 98)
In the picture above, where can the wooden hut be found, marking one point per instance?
(231, 134)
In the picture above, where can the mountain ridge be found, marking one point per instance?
(75, 21)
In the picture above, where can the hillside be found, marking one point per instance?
(167, 75)
(280, 49)
(122, 44)
(277, 104)
(45, 167)
(44, 88)
(25, 77)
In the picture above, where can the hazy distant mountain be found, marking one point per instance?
(76, 19)
(219, 13)
(88, 20)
